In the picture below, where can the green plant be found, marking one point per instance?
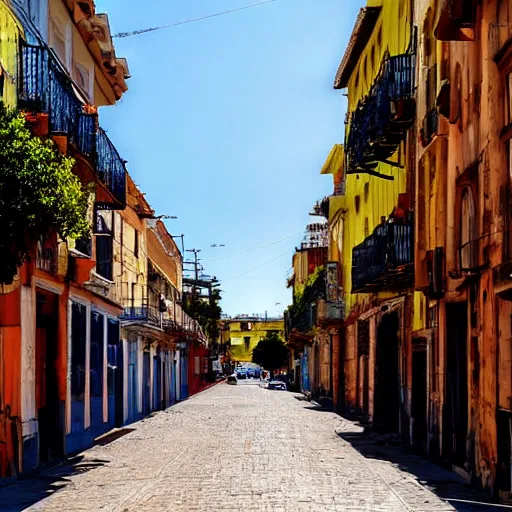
(270, 352)
(39, 194)
(206, 313)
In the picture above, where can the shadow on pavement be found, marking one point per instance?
(28, 490)
(444, 483)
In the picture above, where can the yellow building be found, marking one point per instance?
(10, 30)
(244, 333)
(370, 216)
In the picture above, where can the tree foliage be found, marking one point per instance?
(206, 313)
(270, 352)
(39, 193)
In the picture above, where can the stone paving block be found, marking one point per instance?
(230, 449)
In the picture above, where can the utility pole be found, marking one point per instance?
(196, 265)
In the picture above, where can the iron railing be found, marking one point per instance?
(110, 167)
(384, 259)
(380, 121)
(46, 88)
(172, 320)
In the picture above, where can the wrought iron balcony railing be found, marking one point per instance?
(381, 120)
(172, 320)
(45, 87)
(384, 260)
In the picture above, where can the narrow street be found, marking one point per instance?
(235, 448)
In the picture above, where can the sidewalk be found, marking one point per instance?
(385, 450)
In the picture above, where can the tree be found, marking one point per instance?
(39, 193)
(270, 352)
(205, 312)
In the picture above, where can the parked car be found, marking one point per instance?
(250, 373)
(241, 374)
(276, 384)
(257, 374)
(232, 379)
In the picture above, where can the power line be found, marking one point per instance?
(192, 20)
(256, 268)
(253, 249)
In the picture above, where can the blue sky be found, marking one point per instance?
(227, 124)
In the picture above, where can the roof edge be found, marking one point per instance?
(364, 24)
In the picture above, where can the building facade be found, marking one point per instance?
(243, 333)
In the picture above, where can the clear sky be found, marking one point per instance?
(227, 124)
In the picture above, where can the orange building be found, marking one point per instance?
(57, 319)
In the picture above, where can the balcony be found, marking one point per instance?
(380, 121)
(384, 261)
(172, 320)
(45, 88)
(319, 304)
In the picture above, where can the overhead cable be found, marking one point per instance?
(256, 268)
(192, 20)
(253, 249)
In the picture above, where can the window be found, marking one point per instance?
(113, 355)
(247, 342)
(246, 326)
(136, 244)
(78, 344)
(104, 230)
(96, 359)
(82, 76)
(468, 247)
(60, 35)
(508, 102)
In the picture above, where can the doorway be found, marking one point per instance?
(157, 381)
(455, 415)
(419, 393)
(363, 366)
(146, 384)
(387, 388)
(47, 392)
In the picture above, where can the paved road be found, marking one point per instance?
(230, 448)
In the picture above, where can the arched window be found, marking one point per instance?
(468, 245)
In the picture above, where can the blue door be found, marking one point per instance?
(98, 426)
(174, 369)
(146, 384)
(184, 376)
(114, 375)
(305, 371)
(133, 401)
(157, 382)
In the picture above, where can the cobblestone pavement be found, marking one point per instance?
(230, 448)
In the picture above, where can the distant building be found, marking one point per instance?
(244, 332)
